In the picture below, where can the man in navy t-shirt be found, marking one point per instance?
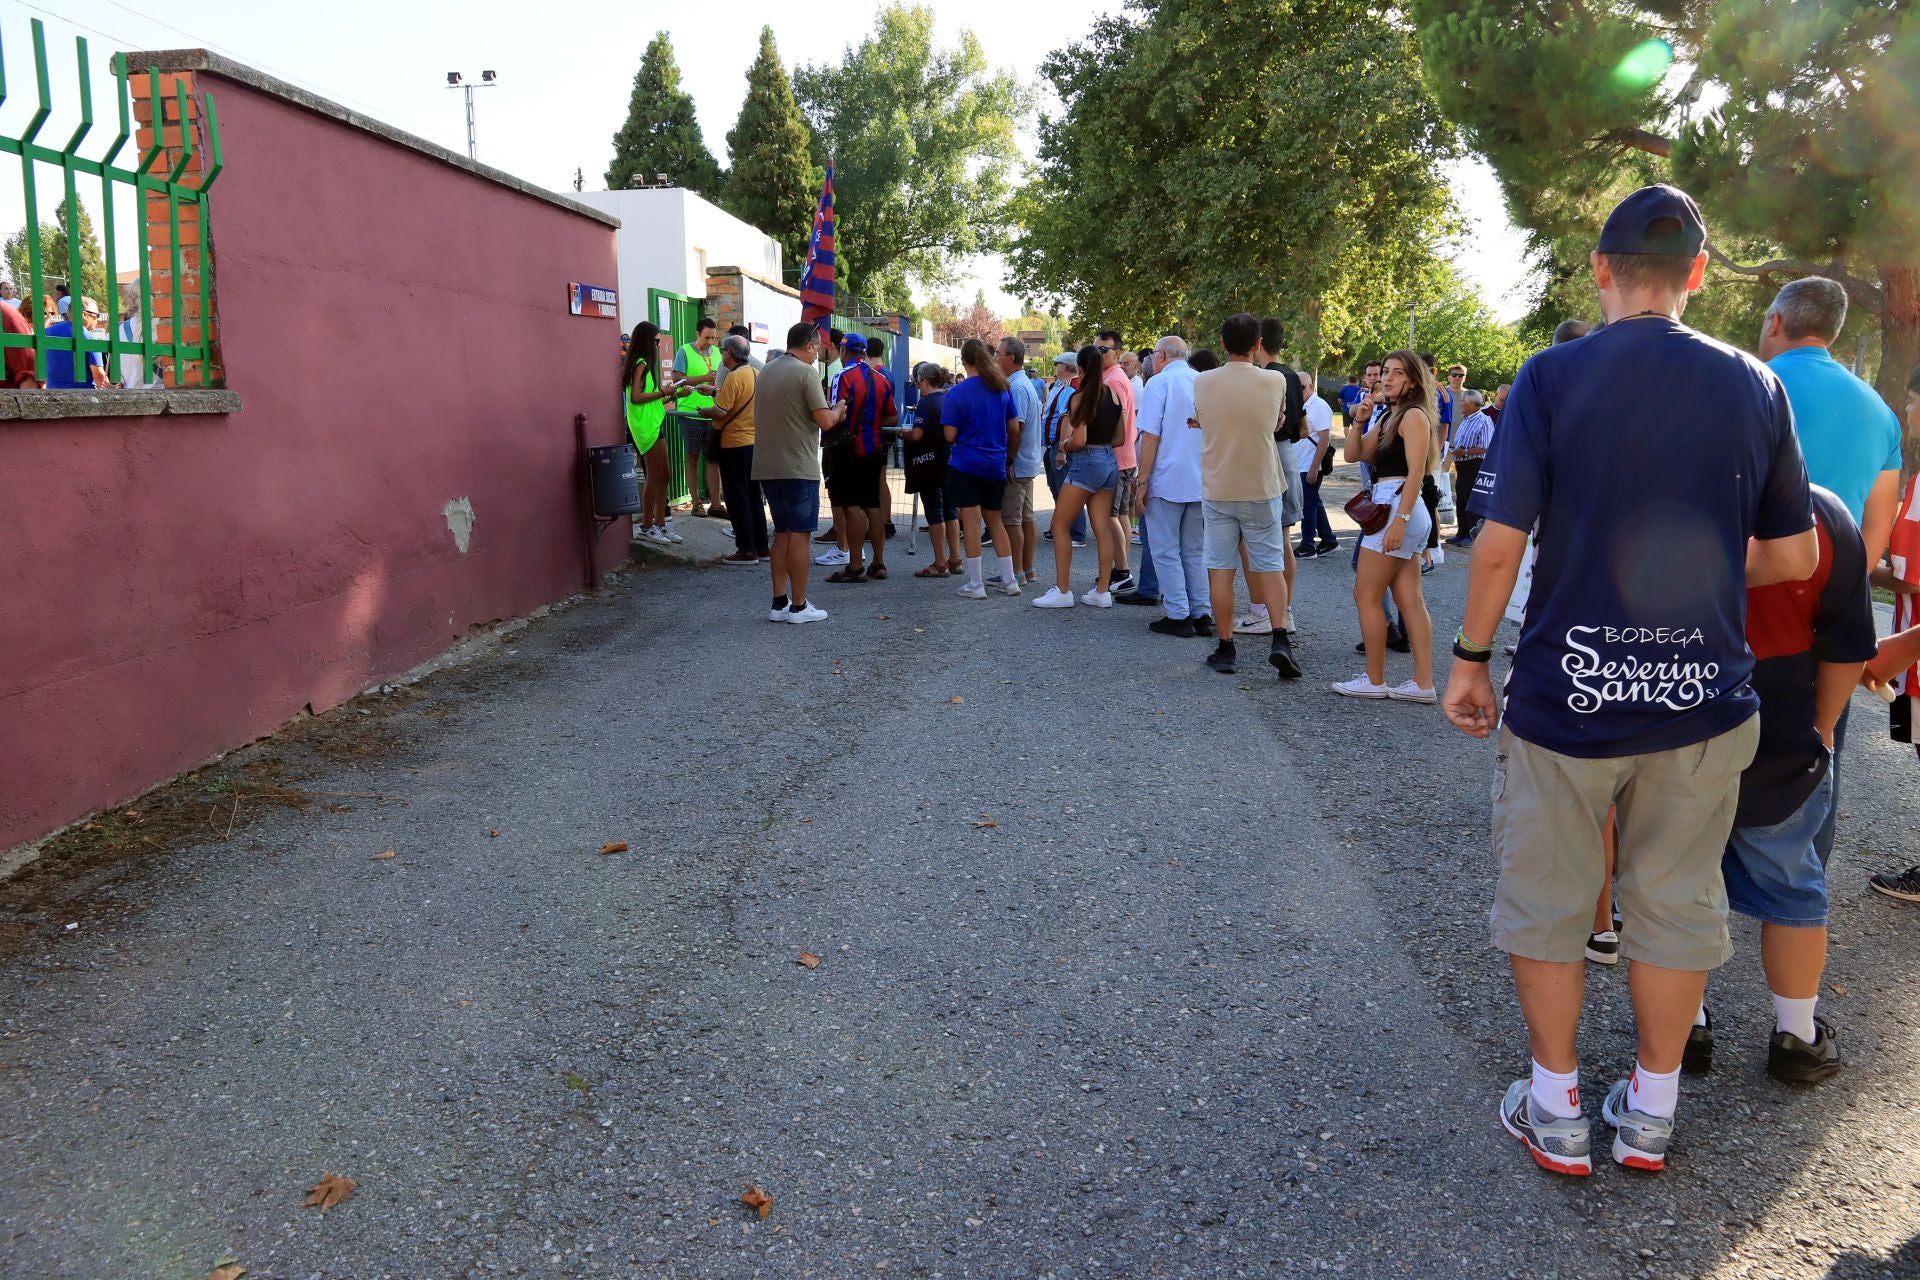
(1630, 683)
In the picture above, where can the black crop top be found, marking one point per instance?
(1105, 427)
(1390, 459)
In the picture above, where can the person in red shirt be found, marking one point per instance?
(20, 370)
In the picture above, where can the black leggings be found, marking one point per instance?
(745, 507)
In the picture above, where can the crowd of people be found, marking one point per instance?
(1692, 583)
(57, 308)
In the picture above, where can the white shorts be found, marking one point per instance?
(1419, 523)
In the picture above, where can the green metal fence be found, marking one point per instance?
(680, 314)
(152, 185)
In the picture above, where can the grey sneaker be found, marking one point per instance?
(1560, 1145)
(1639, 1140)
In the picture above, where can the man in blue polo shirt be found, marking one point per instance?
(1630, 684)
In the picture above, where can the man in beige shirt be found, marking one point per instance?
(1235, 407)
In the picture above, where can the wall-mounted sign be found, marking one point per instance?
(758, 331)
(664, 321)
(593, 300)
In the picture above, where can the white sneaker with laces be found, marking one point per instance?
(777, 615)
(666, 532)
(833, 555)
(1253, 624)
(1055, 598)
(1361, 687)
(1408, 691)
(654, 535)
(1005, 588)
(1098, 599)
(811, 613)
(967, 591)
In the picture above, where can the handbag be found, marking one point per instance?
(1371, 516)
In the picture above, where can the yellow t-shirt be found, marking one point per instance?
(736, 391)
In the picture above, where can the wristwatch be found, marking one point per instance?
(1403, 515)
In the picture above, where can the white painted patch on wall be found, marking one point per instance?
(459, 514)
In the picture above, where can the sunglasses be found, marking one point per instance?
(1103, 350)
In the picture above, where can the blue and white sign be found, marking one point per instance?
(593, 300)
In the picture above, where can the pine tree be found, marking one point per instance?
(661, 134)
(772, 183)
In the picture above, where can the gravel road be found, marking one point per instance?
(1127, 970)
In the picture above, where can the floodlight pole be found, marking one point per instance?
(457, 81)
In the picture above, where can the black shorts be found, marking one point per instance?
(855, 481)
(964, 490)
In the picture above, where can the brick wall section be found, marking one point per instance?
(168, 316)
(725, 301)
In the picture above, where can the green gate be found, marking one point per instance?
(675, 314)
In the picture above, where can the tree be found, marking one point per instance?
(922, 144)
(772, 182)
(661, 134)
(952, 326)
(55, 261)
(1456, 325)
(1280, 158)
(1810, 160)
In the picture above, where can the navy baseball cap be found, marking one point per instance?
(854, 342)
(1660, 220)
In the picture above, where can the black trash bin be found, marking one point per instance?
(614, 469)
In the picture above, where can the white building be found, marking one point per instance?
(669, 238)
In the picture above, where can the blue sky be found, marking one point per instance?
(565, 77)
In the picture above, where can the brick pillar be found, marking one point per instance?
(164, 320)
(726, 300)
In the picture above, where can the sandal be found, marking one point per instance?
(848, 575)
(933, 571)
(954, 566)
(878, 572)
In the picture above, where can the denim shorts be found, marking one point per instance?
(1294, 499)
(1093, 469)
(1228, 524)
(1774, 873)
(696, 433)
(795, 504)
(1419, 522)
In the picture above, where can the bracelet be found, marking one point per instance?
(1465, 654)
(1460, 639)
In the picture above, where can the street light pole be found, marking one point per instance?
(456, 81)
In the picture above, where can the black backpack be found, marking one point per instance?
(1294, 417)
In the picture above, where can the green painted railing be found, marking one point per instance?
(160, 335)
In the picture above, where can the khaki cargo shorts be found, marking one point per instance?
(1017, 506)
(1675, 810)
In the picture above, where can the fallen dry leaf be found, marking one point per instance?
(758, 1201)
(614, 846)
(330, 1191)
(807, 960)
(956, 701)
(985, 822)
(386, 856)
(493, 835)
(463, 1003)
(337, 808)
(884, 617)
(919, 631)
(227, 1273)
(1838, 988)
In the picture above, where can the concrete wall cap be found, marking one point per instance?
(214, 64)
(114, 403)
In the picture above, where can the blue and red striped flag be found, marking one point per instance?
(816, 284)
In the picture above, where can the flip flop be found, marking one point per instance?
(848, 575)
(877, 572)
(933, 571)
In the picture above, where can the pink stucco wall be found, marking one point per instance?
(397, 332)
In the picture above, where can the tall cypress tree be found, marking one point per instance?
(661, 135)
(772, 182)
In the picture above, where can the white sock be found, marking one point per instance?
(1259, 611)
(1007, 575)
(1795, 1016)
(1654, 1093)
(1556, 1094)
(973, 571)
(1700, 1018)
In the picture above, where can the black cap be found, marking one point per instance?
(1655, 220)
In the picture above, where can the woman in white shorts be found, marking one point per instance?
(1402, 450)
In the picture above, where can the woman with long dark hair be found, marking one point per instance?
(977, 417)
(646, 403)
(1403, 449)
(1093, 473)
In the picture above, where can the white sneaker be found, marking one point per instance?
(655, 536)
(776, 615)
(1005, 588)
(967, 591)
(1055, 598)
(1098, 599)
(1253, 624)
(1408, 691)
(1361, 687)
(667, 534)
(1291, 629)
(812, 613)
(833, 555)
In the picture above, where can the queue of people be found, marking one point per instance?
(59, 311)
